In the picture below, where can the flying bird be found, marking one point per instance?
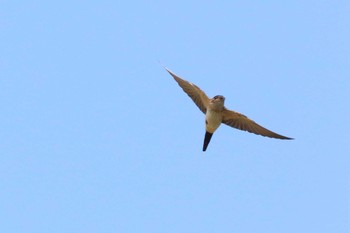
(216, 113)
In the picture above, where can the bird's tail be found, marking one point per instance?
(206, 140)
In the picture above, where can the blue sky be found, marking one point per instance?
(97, 137)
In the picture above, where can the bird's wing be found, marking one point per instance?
(240, 121)
(196, 94)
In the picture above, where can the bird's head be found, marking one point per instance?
(217, 102)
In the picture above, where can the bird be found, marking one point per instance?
(216, 113)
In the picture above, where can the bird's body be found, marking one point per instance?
(213, 120)
(216, 113)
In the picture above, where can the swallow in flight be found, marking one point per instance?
(216, 113)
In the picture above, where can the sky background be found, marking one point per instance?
(95, 136)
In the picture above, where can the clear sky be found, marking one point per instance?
(95, 136)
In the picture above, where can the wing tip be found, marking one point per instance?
(166, 68)
(278, 136)
(169, 71)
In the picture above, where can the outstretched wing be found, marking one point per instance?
(240, 121)
(196, 94)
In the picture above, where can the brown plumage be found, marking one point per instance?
(216, 113)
